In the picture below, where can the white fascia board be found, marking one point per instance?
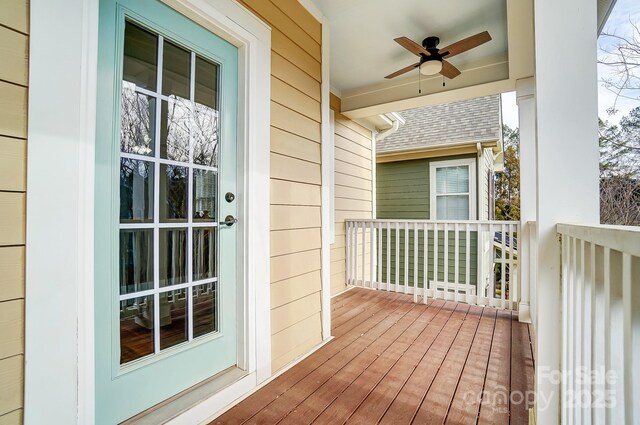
(487, 143)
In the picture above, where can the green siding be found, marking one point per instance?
(403, 193)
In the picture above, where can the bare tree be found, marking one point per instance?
(622, 55)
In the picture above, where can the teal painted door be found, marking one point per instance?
(165, 284)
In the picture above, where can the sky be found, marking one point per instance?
(619, 24)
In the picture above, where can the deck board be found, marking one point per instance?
(396, 362)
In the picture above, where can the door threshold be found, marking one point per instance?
(169, 409)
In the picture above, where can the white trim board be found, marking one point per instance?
(59, 319)
(327, 169)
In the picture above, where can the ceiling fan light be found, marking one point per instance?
(431, 67)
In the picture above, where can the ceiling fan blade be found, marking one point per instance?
(449, 70)
(411, 46)
(466, 44)
(403, 70)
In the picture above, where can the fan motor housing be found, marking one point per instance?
(430, 43)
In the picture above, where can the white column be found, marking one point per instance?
(525, 99)
(567, 154)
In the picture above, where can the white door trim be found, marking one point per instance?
(59, 316)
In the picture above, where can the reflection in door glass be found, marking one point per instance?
(173, 256)
(169, 134)
(136, 260)
(176, 71)
(205, 319)
(140, 57)
(136, 191)
(137, 127)
(204, 195)
(204, 253)
(175, 128)
(136, 328)
(173, 193)
(174, 327)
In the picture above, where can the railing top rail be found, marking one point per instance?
(619, 238)
(394, 220)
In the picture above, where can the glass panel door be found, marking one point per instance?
(169, 234)
(165, 268)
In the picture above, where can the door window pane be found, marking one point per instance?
(136, 260)
(175, 129)
(173, 193)
(140, 57)
(136, 191)
(136, 328)
(137, 116)
(176, 71)
(204, 253)
(206, 83)
(205, 316)
(173, 256)
(205, 136)
(174, 327)
(204, 195)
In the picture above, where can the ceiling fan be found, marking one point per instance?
(432, 59)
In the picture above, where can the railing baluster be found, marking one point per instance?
(628, 340)
(578, 303)
(425, 255)
(565, 323)
(445, 260)
(397, 280)
(364, 252)
(406, 257)
(372, 246)
(503, 265)
(456, 261)
(347, 260)
(435, 260)
(467, 263)
(416, 239)
(492, 278)
(388, 282)
(379, 248)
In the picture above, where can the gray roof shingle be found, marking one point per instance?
(471, 120)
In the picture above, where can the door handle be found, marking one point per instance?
(229, 220)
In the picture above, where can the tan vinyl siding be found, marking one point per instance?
(14, 42)
(296, 177)
(353, 190)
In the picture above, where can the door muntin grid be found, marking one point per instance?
(169, 163)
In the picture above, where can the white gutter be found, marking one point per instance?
(395, 119)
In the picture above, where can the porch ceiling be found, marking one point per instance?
(362, 50)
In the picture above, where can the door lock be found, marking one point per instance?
(229, 197)
(229, 220)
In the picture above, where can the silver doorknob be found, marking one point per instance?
(229, 220)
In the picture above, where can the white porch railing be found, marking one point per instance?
(600, 324)
(475, 262)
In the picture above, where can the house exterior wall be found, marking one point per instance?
(295, 177)
(353, 189)
(403, 192)
(14, 48)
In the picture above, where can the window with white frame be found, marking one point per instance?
(453, 189)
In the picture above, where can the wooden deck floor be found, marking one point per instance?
(396, 362)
